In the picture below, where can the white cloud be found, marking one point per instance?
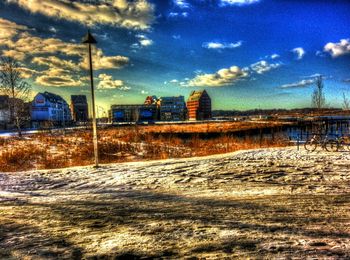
(28, 73)
(222, 77)
(100, 61)
(299, 52)
(107, 82)
(181, 3)
(28, 45)
(313, 75)
(176, 14)
(58, 78)
(275, 56)
(174, 81)
(300, 84)
(8, 30)
(138, 14)
(229, 76)
(52, 29)
(135, 45)
(176, 37)
(220, 46)
(238, 2)
(32, 45)
(144, 41)
(59, 58)
(320, 54)
(338, 49)
(263, 66)
(55, 62)
(14, 54)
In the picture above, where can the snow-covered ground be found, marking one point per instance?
(267, 203)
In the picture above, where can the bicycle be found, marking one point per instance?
(325, 143)
(343, 143)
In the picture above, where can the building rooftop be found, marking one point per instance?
(172, 97)
(196, 95)
(126, 106)
(52, 97)
(78, 99)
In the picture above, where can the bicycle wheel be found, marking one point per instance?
(310, 146)
(341, 146)
(346, 146)
(331, 146)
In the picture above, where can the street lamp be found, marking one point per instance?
(89, 39)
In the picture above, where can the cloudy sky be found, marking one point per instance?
(245, 53)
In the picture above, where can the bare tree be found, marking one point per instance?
(346, 102)
(13, 85)
(318, 98)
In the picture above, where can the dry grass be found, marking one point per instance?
(210, 127)
(49, 151)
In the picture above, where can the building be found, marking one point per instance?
(151, 100)
(132, 113)
(172, 108)
(49, 107)
(124, 113)
(148, 113)
(79, 108)
(151, 103)
(199, 105)
(4, 111)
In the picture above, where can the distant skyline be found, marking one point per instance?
(246, 53)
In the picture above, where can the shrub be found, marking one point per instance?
(56, 150)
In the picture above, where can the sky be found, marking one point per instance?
(247, 54)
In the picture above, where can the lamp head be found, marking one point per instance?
(89, 38)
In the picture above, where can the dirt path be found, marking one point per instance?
(273, 203)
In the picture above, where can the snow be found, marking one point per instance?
(272, 203)
(12, 133)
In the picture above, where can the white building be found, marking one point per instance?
(50, 107)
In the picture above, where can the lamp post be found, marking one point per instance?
(89, 39)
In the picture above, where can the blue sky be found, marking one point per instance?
(246, 53)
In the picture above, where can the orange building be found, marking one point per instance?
(199, 105)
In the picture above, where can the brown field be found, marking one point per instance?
(133, 143)
(210, 127)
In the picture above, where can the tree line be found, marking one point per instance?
(319, 99)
